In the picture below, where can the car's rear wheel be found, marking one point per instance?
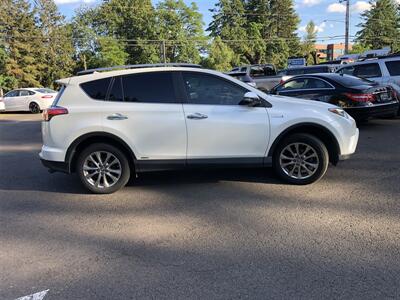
(103, 169)
(301, 159)
(34, 108)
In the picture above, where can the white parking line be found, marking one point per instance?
(36, 296)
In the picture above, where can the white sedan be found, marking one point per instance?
(29, 99)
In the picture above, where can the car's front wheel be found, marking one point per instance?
(301, 159)
(103, 169)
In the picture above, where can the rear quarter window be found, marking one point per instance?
(393, 67)
(96, 89)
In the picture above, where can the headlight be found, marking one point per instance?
(339, 112)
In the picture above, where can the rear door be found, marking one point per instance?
(218, 127)
(146, 111)
(25, 97)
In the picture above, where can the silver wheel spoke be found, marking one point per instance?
(288, 164)
(310, 164)
(309, 172)
(91, 174)
(310, 156)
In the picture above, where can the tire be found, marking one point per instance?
(310, 156)
(104, 174)
(34, 108)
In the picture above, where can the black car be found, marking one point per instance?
(361, 98)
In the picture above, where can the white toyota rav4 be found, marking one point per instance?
(108, 124)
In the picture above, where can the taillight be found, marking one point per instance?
(51, 112)
(361, 97)
(47, 96)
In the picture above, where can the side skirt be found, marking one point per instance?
(179, 164)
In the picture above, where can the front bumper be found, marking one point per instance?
(376, 110)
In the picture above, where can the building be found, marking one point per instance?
(330, 51)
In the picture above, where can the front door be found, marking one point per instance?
(218, 127)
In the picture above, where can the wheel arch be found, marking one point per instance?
(319, 131)
(87, 139)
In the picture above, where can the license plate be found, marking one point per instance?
(384, 97)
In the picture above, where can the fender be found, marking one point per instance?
(328, 137)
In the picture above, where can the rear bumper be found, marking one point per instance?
(377, 110)
(56, 166)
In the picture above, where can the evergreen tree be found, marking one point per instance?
(22, 44)
(57, 47)
(229, 23)
(381, 26)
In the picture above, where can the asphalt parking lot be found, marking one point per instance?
(203, 235)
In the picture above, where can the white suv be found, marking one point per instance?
(107, 125)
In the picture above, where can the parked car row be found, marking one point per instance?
(365, 89)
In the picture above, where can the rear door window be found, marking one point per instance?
(96, 89)
(367, 70)
(393, 67)
(152, 87)
(24, 93)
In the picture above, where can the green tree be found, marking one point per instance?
(309, 43)
(6, 82)
(182, 25)
(380, 26)
(133, 22)
(57, 47)
(220, 56)
(260, 30)
(357, 48)
(109, 52)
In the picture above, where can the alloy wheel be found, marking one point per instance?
(299, 160)
(102, 169)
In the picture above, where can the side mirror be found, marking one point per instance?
(250, 99)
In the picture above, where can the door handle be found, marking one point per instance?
(117, 116)
(197, 116)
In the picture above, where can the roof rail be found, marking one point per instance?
(397, 54)
(91, 71)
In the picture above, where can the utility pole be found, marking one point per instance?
(346, 41)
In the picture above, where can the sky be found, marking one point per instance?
(328, 15)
